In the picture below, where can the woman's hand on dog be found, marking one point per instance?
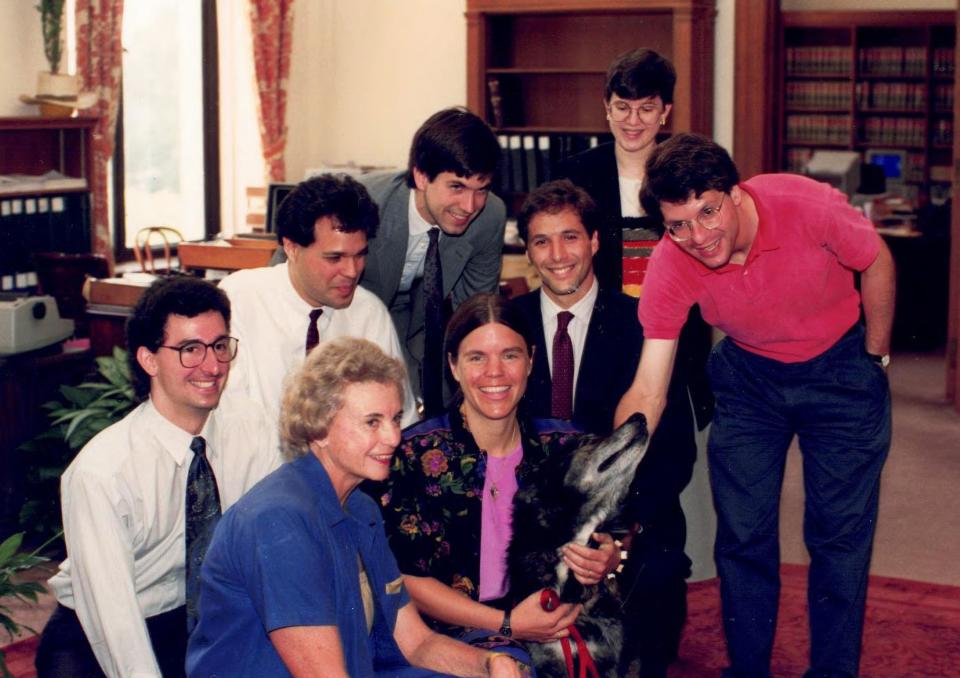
(590, 565)
(531, 622)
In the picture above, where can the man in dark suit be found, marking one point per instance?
(588, 343)
(445, 190)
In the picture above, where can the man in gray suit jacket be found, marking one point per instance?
(453, 159)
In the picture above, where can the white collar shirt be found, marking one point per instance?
(417, 243)
(577, 329)
(123, 500)
(270, 319)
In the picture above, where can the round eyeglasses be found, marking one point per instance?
(193, 353)
(619, 111)
(710, 218)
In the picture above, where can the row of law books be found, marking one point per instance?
(818, 94)
(529, 160)
(818, 129)
(943, 97)
(896, 61)
(818, 61)
(944, 61)
(893, 131)
(898, 95)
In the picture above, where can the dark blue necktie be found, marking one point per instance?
(203, 512)
(431, 385)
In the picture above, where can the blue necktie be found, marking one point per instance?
(203, 513)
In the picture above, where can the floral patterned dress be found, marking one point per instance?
(432, 501)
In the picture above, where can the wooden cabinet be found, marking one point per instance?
(546, 60)
(871, 82)
(43, 216)
(34, 145)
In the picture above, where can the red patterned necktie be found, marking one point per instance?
(313, 332)
(562, 391)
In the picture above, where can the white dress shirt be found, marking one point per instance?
(577, 329)
(417, 243)
(270, 319)
(123, 502)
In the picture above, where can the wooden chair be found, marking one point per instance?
(143, 245)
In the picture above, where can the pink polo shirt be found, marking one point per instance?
(793, 297)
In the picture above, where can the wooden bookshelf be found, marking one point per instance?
(870, 80)
(34, 145)
(548, 59)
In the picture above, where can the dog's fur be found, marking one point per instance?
(570, 498)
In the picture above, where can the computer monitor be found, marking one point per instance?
(840, 169)
(275, 195)
(893, 162)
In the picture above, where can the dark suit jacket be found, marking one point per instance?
(607, 367)
(470, 262)
(595, 170)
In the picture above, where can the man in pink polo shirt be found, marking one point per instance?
(771, 262)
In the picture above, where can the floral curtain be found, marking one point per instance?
(272, 26)
(99, 61)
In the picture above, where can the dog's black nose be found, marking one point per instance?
(636, 417)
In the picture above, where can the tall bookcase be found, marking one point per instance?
(869, 82)
(43, 220)
(538, 67)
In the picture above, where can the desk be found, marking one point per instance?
(923, 274)
(227, 255)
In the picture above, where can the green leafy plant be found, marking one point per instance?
(81, 412)
(51, 20)
(13, 561)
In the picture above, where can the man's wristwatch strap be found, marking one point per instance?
(505, 629)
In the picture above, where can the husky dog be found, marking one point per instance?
(570, 499)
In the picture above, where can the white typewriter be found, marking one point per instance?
(30, 322)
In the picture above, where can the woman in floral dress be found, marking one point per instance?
(447, 504)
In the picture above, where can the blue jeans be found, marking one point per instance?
(838, 404)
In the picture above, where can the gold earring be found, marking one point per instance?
(663, 121)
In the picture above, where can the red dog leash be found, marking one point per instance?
(549, 601)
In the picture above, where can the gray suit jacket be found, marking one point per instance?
(470, 262)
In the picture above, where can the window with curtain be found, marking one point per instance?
(166, 160)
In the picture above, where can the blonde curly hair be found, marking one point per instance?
(314, 394)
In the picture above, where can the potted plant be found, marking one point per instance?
(58, 94)
(13, 561)
(75, 417)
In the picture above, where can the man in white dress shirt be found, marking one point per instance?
(122, 590)
(280, 312)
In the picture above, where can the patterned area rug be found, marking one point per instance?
(912, 630)
(19, 657)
